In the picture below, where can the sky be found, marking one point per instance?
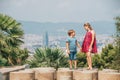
(61, 10)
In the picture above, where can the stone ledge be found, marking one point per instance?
(108, 74)
(49, 73)
(4, 72)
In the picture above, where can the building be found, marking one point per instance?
(45, 40)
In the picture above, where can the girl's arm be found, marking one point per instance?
(93, 36)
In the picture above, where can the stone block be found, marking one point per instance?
(44, 73)
(108, 74)
(64, 74)
(82, 74)
(22, 75)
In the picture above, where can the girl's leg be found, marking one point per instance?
(87, 56)
(89, 60)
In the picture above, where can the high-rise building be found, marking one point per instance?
(45, 40)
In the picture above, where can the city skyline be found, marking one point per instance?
(33, 41)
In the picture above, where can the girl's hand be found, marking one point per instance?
(90, 48)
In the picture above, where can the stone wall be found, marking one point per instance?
(61, 74)
(109, 75)
(5, 72)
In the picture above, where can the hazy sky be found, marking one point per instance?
(61, 10)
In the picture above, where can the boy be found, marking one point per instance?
(71, 47)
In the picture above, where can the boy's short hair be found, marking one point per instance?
(70, 32)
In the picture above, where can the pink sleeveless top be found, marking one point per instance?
(86, 43)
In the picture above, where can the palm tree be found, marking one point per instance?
(11, 35)
(49, 57)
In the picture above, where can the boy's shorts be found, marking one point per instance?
(72, 55)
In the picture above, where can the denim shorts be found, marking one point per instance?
(72, 55)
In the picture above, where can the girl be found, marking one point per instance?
(89, 44)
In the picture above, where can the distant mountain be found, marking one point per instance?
(61, 29)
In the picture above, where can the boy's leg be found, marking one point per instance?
(75, 61)
(70, 60)
(75, 64)
(70, 63)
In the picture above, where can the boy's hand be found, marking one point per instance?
(68, 51)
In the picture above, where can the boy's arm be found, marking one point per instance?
(67, 47)
(78, 45)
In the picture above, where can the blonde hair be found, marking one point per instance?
(70, 32)
(89, 26)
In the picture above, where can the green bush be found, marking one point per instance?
(49, 57)
(97, 61)
(3, 61)
(107, 55)
(116, 62)
(81, 60)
